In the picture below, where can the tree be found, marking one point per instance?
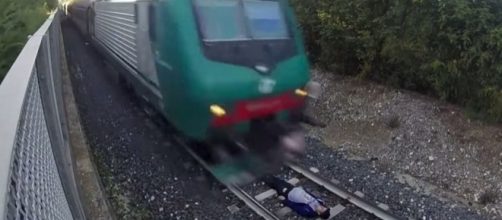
(448, 48)
(18, 19)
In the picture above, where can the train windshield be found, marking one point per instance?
(237, 20)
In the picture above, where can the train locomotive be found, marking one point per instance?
(219, 71)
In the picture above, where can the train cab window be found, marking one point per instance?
(220, 20)
(237, 20)
(265, 19)
(244, 32)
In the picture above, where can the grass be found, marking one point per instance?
(123, 207)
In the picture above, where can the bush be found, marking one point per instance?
(449, 48)
(18, 19)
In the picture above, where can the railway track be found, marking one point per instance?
(250, 202)
(347, 202)
(258, 205)
(376, 210)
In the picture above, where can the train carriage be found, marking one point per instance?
(215, 69)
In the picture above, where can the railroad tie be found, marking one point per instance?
(383, 206)
(264, 195)
(233, 208)
(334, 211)
(359, 193)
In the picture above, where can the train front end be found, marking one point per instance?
(241, 77)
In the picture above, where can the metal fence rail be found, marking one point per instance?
(36, 170)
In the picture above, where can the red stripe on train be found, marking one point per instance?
(247, 110)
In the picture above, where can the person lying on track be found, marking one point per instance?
(299, 200)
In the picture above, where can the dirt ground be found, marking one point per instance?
(427, 143)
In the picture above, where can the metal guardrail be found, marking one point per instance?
(36, 169)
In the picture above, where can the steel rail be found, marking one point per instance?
(236, 190)
(252, 203)
(357, 201)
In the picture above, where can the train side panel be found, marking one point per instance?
(121, 27)
(115, 28)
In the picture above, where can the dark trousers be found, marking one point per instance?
(282, 187)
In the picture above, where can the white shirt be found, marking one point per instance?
(298, 195)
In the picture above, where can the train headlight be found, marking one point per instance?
(217, 111)
(301, 92)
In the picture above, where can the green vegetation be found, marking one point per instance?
(18, 19)
(122, 205)
(450, 48)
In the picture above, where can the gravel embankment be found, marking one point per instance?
(381, 186)
(432, 146)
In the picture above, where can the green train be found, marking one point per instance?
(215, 69)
